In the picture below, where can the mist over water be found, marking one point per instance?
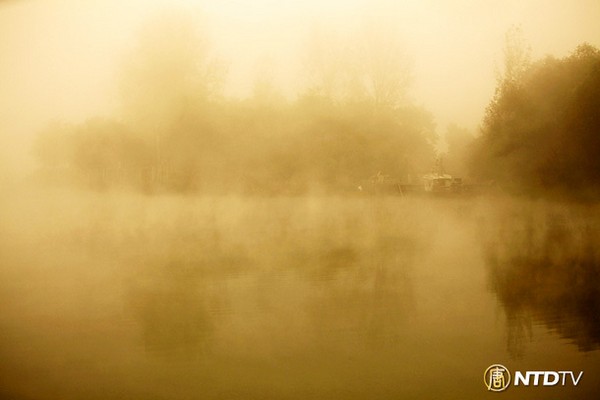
(544, 267)
(124, 296)
(297, 200)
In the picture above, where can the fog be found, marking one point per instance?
(297, 199)
(60, 59)
(121, 296)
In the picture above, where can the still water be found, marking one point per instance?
(130, 297)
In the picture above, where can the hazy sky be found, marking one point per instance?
(58, 58)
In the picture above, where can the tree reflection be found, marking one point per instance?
(361, 295)
(175, 310)
(546, 268)
(337, 283)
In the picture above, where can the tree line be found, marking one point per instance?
(177, 132)
(541, 131)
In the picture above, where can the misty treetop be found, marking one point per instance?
(307, 146)
(176, 131)
(541, 131)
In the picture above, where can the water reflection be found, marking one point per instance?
(289, 297)
(311, 285)
(545, 268)
(361, 296)
(173, 311)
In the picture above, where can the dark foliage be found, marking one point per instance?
(541, 132)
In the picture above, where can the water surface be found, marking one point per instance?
(123, 296)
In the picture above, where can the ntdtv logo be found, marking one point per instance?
(497, 378)
(547, 378)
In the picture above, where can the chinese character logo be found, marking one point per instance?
(496, 378)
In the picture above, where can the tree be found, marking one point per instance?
(97, 153)
(170, 72)
(373, 67)
(540, 132)
(168, 86)
(459, 141)
(383, 65)
(517, 56)
(517, 60)
(326, 65)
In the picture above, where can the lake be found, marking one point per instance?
(123, 296)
